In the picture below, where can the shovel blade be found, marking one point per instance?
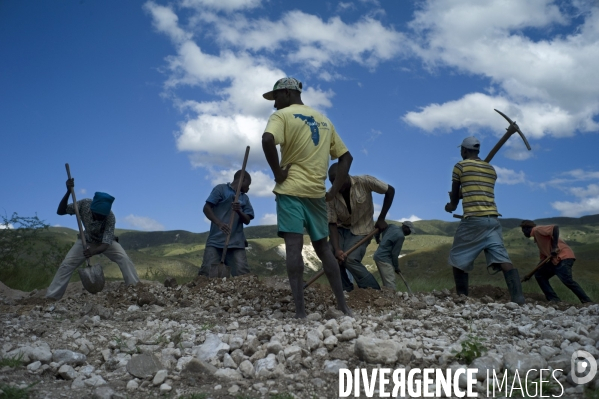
(219, 270)
(92, 278)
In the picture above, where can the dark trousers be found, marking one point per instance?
(563, 271)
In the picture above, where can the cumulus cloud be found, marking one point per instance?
(575, 209)
(143, 223)
(268, 219)
(221, 5)
(587, 197)
(312, 41)
(540, 82)
(509, 176)
(412, 218)
(6, 226)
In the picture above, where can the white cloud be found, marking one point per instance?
(82, 191)
(143, 223)
(509, 176)
(412, 218)
(268, 219)
(550, 85)
(310, 40)
(592, 190)
(217, 131)
(222, 5)
(6, 226)
(575, 209)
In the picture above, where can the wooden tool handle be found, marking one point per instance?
(349, 251)
(532, 273)
(77, 213)
(242, 177)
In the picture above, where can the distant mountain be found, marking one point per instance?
(424, 255)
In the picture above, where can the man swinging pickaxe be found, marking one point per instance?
(512, 128)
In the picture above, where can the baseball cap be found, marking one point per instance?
(470, 143)
(284, 83)
(409, 225)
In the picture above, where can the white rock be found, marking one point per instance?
(159, 377)
(165, 388)
(132, 385)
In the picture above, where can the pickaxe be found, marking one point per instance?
(352, 249)
(511, 129)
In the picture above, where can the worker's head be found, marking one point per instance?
(245, 185)
(407, 227)
(101, 205)
(470, 147)
(285, 92)
(526, 227)
(333, 176)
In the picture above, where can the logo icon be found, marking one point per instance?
(582, 363)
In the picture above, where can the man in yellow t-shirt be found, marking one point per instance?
(308, 140)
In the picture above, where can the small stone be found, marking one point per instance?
(144, 365)
(103, 392)
(68, 357)
(159, 377)
(170, 282)
(132, 385)
(34, 366)
(165, 388)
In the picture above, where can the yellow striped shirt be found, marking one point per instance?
(477, 179)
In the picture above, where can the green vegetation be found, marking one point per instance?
(14, 361)
(282, 396)
(472, 348)
(194, 396)
(29, 255)
(14, 392)
(162, 254)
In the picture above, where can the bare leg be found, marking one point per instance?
(331, 269)
(294, 243)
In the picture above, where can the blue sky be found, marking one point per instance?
(154, 102)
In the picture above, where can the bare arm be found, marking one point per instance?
(212, 217)
(454, 197)
(272, 157)
(380, 223)
(554, 240)
(88, 252)
(62, 206)
(344, 164)
(334, 238)
(245, 218)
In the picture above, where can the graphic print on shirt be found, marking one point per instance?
(309, 120)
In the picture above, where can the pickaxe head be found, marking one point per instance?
(515, 126)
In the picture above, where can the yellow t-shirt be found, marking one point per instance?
(307, 139)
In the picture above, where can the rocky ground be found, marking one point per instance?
(236, 338)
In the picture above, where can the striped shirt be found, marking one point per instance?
(477, 179)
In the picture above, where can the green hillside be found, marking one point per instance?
(424, 262)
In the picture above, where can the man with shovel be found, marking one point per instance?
(217, 209)
(350, 216)
(99, 223)
(562, 259)
(387, 254)
(479, 229)
(308, 140)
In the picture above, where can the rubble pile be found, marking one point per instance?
(237, 338)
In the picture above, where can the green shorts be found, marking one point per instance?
(296, 213)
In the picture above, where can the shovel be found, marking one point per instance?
(220, 269)
(92, 277)
(349, 251)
